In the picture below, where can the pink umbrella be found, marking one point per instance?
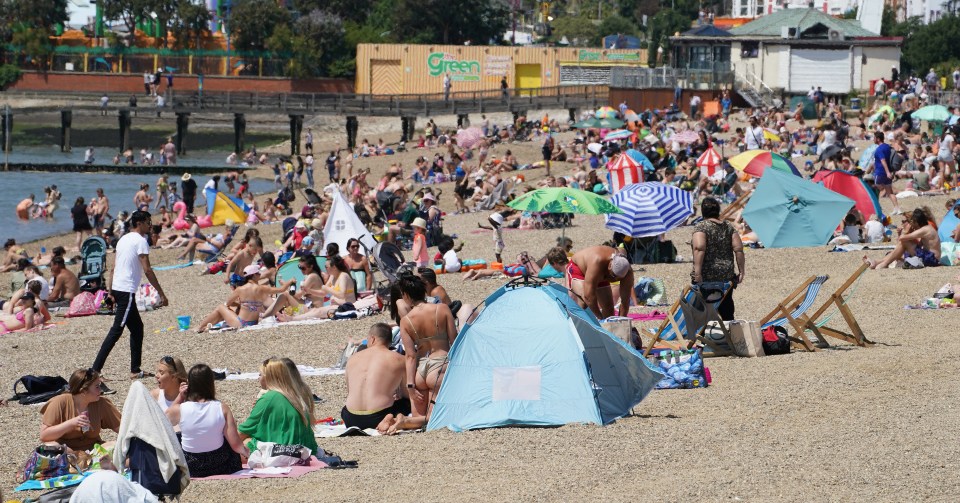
(687, 136)
(709, 161)
(469, 137)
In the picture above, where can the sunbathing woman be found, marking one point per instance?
(171, 381)
(250, 297)
(427, 332)
(340, 287)
(311, 282)
(21, 315)
(359, 265)
(281, 414)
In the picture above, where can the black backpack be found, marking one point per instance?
(775, 341)
(38, 389)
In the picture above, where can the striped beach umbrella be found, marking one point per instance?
(754, 162)
(649, 209)
(709, 161)
(619, 134)
(605, 113)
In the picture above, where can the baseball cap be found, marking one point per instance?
(250, 270)
(619, 266)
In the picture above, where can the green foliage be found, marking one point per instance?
(190, 24)
(614, 25)
(39, 13)
(580, 31)
(315, 43)
(888, 19)
(929, 45)
(664, 25)
(35, 43)
(252, 22)
(8, 75)
(449, 21)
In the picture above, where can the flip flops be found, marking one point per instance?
(142, 374)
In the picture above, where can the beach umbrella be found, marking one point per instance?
(787, 211)
(755, 162)
(770, 134)
(469, 137)
(610, 123)
(563, 200)
(866, 158)
(623, 171)
(596, 148)
(709, 161)
(605, 113)
(649, 209)
(932, 113)
(619, 134)
(641, 159)
(687, 136)
(630, 116)
(847, 184)
(587, 124)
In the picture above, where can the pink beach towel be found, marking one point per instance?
(652, 316)
(268, 473)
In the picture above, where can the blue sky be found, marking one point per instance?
(80, 10)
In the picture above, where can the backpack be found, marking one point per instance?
(775, 341)
(38, 389)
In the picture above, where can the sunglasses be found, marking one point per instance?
(302, 267)
(169, 361)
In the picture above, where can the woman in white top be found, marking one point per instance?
(171, 381)
(210, 439)
(945, 155)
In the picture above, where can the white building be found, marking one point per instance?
(927, 10)
(757, 8)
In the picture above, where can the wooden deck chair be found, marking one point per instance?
(792, 311)
(698, 313)
(731, 210)
(673, 330)
(855, 336)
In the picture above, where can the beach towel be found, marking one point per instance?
(63, 481)
(305, 371)
(860, 247)
(341, 430)
(651, 316)
(290, 472)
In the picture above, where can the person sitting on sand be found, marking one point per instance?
(19, 313)
(340, 287)
(75, 419)
(919, 239)
(251, 297)
(201, 242)
(66, 286)
(171, 378)
(12, 255)
(312, 280)
(375, 378)
(589, 275)
(359, 265)
(209, 436)
(427, 332)
(282, 414)
(247, 256)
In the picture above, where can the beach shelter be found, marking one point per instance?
(649, 209)
(548, 363)
(947, 225)
(755, 163)
(786, 211)
(709, 161)
(848, 184)
(225, 208)
(343, 224)
(624, 171)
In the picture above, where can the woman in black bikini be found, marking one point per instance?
(427, 332)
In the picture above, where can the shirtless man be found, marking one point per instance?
(921, 241)
(13, 254)
(375, 379)
(66, 286)
(589, 274)
(103, 210)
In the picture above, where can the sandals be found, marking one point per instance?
(140, 375)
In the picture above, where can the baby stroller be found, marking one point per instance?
(388, 259)
(93, 265)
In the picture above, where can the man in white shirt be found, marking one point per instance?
(132, 260)
(753, 135)
(694, 106)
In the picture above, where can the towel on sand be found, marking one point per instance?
(291, 472)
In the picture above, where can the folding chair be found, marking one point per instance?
(792, 310)
(677, 327)
(855, 336)
(732, 208)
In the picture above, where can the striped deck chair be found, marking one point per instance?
(792, 311)
(674, 331)
(819, 321)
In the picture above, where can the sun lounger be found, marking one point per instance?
(675, 330)
(837, 299)
(792, 311)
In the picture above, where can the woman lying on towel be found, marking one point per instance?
(340, 287)
(250, 297)
(211, 442)
(284, 413)
(75, 419)
(20, 315)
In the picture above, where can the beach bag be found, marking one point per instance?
(346, 311)
(84, 304)
(269, 454)
(745, 338)
(148, 298)
(45, 462)
(38, 389)
(622, 328)
(775, 341)
(682, 370)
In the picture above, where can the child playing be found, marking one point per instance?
(496, 225)
(420, 242)
(451, 262)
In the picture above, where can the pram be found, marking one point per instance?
(93, 265)
(387, 259)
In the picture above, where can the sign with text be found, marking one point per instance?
(440, 63)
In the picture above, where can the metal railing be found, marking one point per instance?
(751, 81)
(644, 78)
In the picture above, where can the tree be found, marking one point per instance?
(34, 42)
(664, 25)
(614, 25)
(132, 11)
(251, 22)
(927, 46)
(580, 31)
(347, 10)
(449, 21)
(191, 24)
(39, 13)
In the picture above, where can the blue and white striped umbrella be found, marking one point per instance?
(649, 209)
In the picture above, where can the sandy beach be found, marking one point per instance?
(843, 424)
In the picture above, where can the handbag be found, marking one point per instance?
(46, 462)
(745, 338)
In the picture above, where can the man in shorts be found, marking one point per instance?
(882, 177)
(66, 286)
(589, 275)
(375, 377)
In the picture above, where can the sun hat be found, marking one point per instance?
(419, 222)
(300, 225)
(186, 176)
(497, 219)
(250, 270)
(317, 224)
(429, 197)
(619, 266)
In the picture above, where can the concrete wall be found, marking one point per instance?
(878, 65)
(122, 83)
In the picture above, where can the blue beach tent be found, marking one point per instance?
(533, 357)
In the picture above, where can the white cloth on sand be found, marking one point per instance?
(305, 371)
(107, 486)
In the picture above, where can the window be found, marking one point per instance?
(749, 49)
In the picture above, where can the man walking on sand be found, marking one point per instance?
(131, 261)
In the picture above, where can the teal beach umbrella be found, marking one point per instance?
(787, 211)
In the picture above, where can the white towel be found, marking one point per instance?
(142, 418)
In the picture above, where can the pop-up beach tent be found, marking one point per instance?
(344, 224)
(533, 357)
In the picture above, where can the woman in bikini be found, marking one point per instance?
(251, 298)
(21, 316)
(340, 287)
(359, 265)
(312, 282)
(427, 332)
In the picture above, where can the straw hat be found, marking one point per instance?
(186, 176)
(317, 224)
(419, 222)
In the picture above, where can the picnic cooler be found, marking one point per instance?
(745, 338)
(623, 329)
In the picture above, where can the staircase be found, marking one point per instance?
(753, 90)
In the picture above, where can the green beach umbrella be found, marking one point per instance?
(932, 113)
(563, 200)
(587, 124)
(610, 123)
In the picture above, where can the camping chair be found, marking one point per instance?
(93, 265)
(691, 310)
(792, 310)
(214, 256)
(731, 210)
(836, 299)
